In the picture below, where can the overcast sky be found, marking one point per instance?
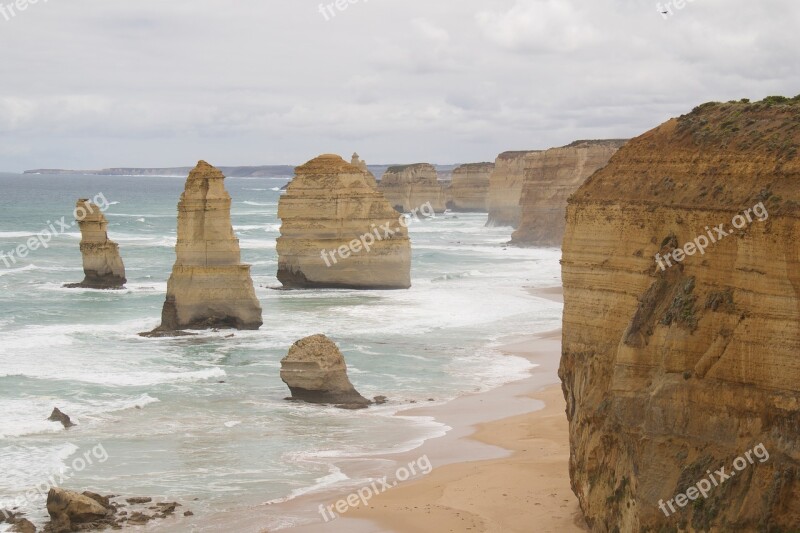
(98, 83)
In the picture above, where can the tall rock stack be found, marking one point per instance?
(550, 178)
(338, 231)
(356, 161)
(505, 188)
(671, 374)
(102, 264)
(209, 287)
(469, 190)
(410, 186)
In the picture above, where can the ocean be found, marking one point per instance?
(203, 420)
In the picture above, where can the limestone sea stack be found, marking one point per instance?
(338, 231)
(315, 371)
(671, 374)
(469, 190)
(408, 187)
(356, 161)
(505, 188)
(550, 178)
(102, 264)
(209, 287)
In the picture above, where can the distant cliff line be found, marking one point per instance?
(264, 171)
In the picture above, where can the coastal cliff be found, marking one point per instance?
(338, 231)
(550, 178)
(469, 190)
(676, 362)
(209, 287)
(410, 186)
(102, 265)
(505, 188)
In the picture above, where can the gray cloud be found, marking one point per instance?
(89, 83)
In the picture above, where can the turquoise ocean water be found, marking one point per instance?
(205, 417)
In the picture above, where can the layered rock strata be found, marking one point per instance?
(469, 190)
(505, 188)
(356, 161)
(209, 287)
(672, 373)
(410, 186)
(315, 371)
(338, 231)
(550, 178)
(102, 264)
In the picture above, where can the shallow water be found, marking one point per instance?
(153, 415)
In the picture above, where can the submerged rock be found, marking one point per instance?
(316, 372)
(209, 287)
(102, 264)
(338, 231)
(58, 416)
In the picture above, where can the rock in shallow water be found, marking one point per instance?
(316, 372)
(102, 264)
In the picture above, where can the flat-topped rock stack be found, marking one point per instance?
(469, 189)
(505, 188)
(550, 178)
(209, 287)
(408, 187)
(338, 231)
(102, 265)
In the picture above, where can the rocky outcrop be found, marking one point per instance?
(315, 371)
(58, 416)
(102, 264)
(338, 231)
(550, 178)
(469, 190)
(410, 186)
(672, 373)
(209, 287)
(69, 510)
(505, 188)
(356, 161)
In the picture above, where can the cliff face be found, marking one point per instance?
(505, 188)
(550, 178)
(411, 186)
(338, 231)
(209, 287)
(469, 190)
(102, 264)
(671, 374)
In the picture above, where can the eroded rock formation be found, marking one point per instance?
(469, 190)
(356, 161)
(671, 374)
(315, 371)
(409, 186)
(102, 264)
(209, 287)
(338, 231)
(505, 188)
(550, 178)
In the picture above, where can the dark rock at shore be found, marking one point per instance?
(58, 416)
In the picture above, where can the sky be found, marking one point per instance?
(154, 83)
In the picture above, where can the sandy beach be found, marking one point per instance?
(503, 467)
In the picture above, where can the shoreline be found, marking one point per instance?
(484, 439)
